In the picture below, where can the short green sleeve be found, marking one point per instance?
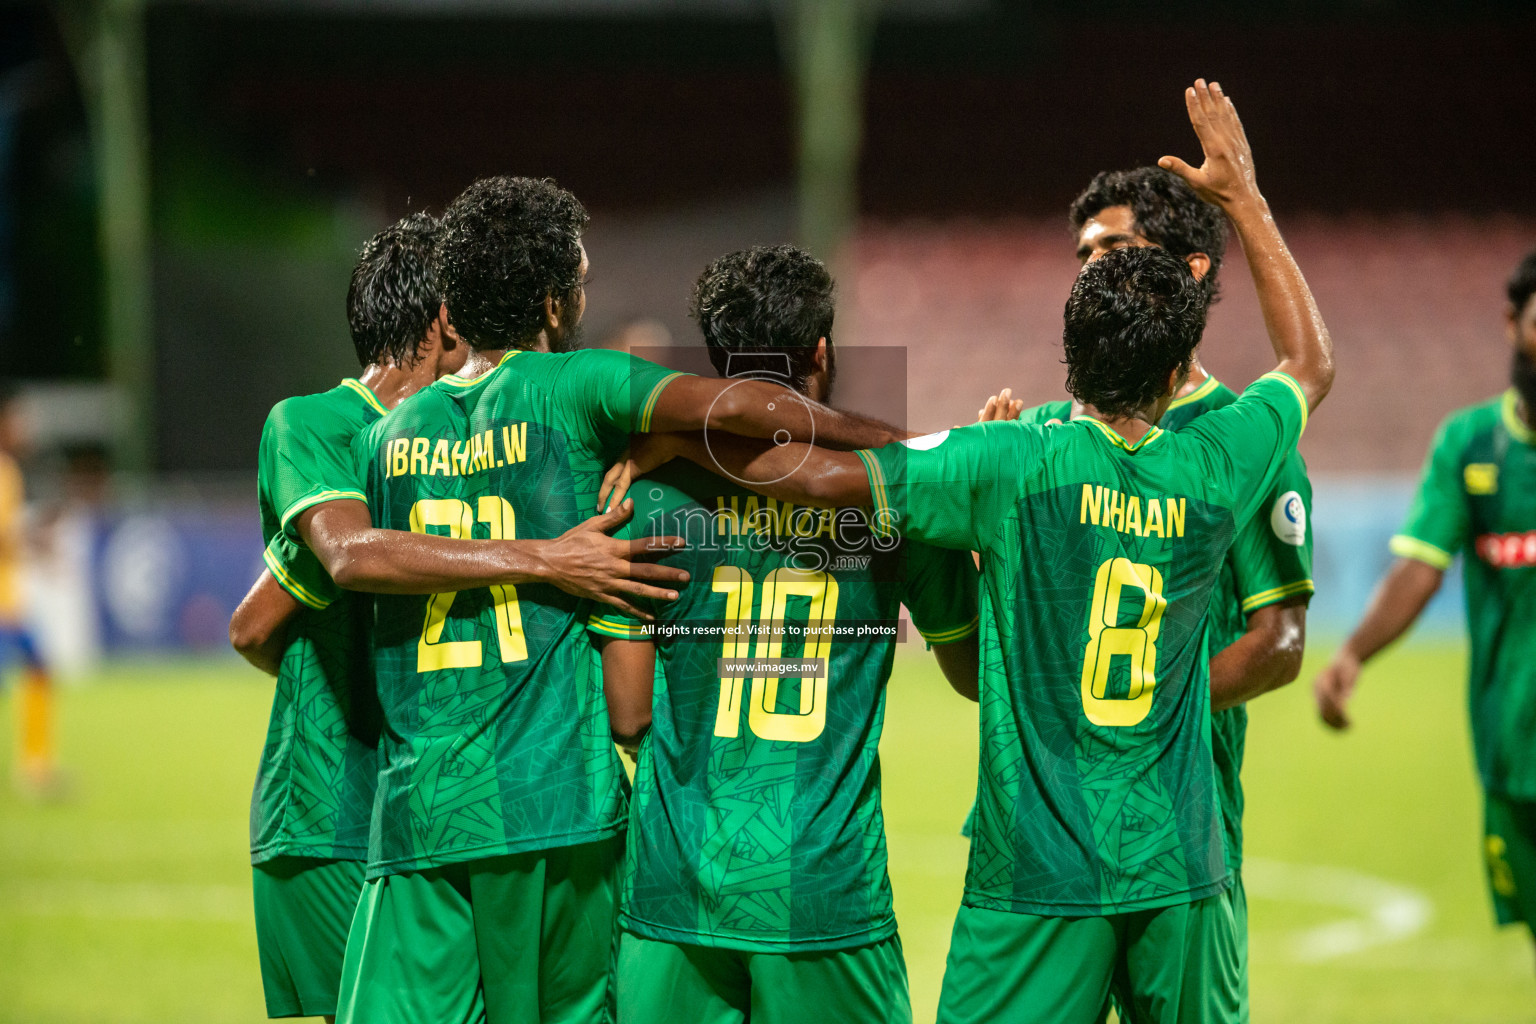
(306, 459)
(1049, 413)
(954, 488)
(299, 572)
(1437, 521)
(940, 591)
(1272, 555)
(613, 393)
(1240, 448)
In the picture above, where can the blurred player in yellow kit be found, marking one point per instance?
(37, 769)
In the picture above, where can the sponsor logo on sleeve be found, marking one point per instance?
(927, 442)
(1289, 519)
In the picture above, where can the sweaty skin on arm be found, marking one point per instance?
(1264, 658)
(629, 673)
(259, 627)
(583, 561)
(1395, 605)
(1226, 178)
(762, 409)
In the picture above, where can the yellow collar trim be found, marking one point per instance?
(1116, 439)
(458, 381)
(367, 393)
(1512, 421)
(1211, 384)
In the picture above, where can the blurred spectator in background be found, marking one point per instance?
(60, 596)
(37, 769)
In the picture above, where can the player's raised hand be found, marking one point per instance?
(1333, 687)
(1226, 176)
(588, 563)
(1001, 406)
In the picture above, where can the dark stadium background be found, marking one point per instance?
(1393, 138)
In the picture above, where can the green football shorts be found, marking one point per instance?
(304, 907)
(527, 938)
(670, 983)
(1165, 966)
(1509, 851)
(1233, 962)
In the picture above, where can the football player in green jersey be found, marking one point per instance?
(1258, 619)
(754, 884)
(1477, 498)
(493, 855)
(1098, 858)
(313, 798)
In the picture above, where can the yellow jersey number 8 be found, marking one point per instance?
(1107, 639)
(433, 653)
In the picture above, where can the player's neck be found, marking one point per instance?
(1133, 427)
(394, 384)
(1197, 377)
(482, 362)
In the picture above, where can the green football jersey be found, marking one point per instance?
(1477, 497)
(314, 787)
(1099, 559)
(496, 736)
(1270, 561)
(757, 822)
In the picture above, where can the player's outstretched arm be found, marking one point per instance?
(629, 673)
(802, 473)
(763, 409)
(259, 627)
(1264, 658)
(1226, 178)
(583, 561)
(1395, 606)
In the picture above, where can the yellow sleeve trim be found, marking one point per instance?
(877, 492)
(1253, 602)
(621, 628)
(1301, 396)
(950, 636)
(648, 407)
(319, 498)
(1405, 546)
(1211, 384)
(285, 580)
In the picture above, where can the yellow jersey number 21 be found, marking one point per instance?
(433, 653)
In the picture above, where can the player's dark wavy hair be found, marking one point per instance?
(774, 302)
(506, 244)
(1522, 283)
(394, 296)
(1167, 212)
(1134, 317)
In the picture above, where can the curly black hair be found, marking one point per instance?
(772, 301)
(507, 244)
(1167, 211)
(1522, 283)
(394, 297)
(1134, 317)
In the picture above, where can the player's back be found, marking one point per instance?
(1099, 559)
(757, 821)
(497, 735)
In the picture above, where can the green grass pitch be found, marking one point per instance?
(131, 903)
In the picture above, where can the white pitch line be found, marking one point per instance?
(1382, 912)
